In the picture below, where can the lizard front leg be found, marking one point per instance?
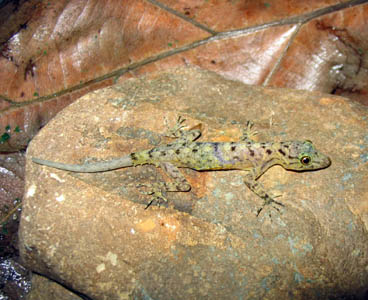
(158, 189)
(248, 133)
(257, 188)
(181, 135)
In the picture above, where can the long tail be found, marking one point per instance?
(102, 166)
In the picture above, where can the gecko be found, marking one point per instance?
(185, 152)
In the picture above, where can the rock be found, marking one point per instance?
(15, 280)
(45, 289)
(92, 233)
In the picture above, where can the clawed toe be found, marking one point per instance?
(269, 202)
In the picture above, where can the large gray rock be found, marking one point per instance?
(92, 233)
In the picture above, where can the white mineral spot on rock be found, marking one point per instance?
(52, 250)
(56, 177)
(31, 191)
(60, 198)
(100, 268)
(112, 257)
(172, 227)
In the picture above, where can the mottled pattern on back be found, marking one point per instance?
(200, 156)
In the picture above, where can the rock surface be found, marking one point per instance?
(92, 233)
(45, 289)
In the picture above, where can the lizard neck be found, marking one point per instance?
(280, 154)
(271, 154)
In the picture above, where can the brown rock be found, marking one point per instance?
(45, 289)
(92, 232)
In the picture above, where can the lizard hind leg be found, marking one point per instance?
(157, 190)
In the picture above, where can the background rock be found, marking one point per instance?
(92, 233)
(45, 289)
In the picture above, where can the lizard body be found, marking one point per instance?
(184, 152)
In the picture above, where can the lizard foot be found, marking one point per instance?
(270, 201)
(248, 132)
(155, 191)
(176, 131)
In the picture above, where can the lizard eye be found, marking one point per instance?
(305, 160)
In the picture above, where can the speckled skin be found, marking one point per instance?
(247, 155)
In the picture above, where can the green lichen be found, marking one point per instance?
(4, 137)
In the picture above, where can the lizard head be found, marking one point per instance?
(302, 156)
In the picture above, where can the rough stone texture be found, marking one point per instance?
(91, 232)
(12, 179)
(45, 289)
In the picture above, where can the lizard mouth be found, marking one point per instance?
(319, 164)
(328, 162)
(324, 162)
